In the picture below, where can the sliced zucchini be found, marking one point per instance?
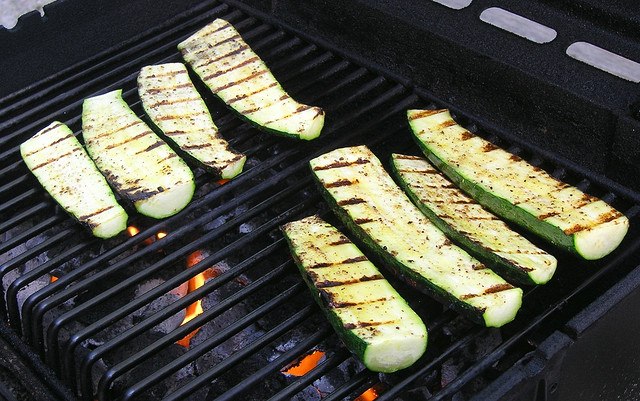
(135, 161)
(516, 190)
(176, 108)
(364, 196)
(58, 160)
(465, 221)
(371, 318)
(238, 76)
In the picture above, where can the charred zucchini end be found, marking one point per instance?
(504, 306)
(602, 240)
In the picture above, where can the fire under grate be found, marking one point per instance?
(110, 317)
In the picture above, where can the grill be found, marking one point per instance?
(95, 319)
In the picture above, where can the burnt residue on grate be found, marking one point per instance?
(208, 304)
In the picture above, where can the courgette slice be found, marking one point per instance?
(516, 190)
(238, 76)
(135, 161)
(372, 319)
(466, 222)
(176, 108)
(58, 160)
(363, 195)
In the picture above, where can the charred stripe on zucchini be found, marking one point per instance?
(390, 225)
(236, 74)
(176, 108)
(135, 161)
(371, 318)
(517, 191)
(469, 224)
(58, 160)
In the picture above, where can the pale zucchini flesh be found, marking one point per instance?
(60, 163)
(174, 105)
(465, 221)
(369, 315)
(238, 76)
(135, 161)
(368, 201)
(516, 190)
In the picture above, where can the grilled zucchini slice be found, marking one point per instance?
(363, 195)
(516, 190)
(372, 319)
(135, 161)
(465, 221)
(176, 108)
(238, 76)
(58, 160)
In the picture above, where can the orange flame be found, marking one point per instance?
(54, 278)
(306, 364)
(194, 283)
(371, 393)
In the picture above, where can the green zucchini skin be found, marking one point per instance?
(372, 319)
(175, 107)
(467, 223)
(517, 191)
(367, 200)
(135, 161)
(237, 75)
(65, 170)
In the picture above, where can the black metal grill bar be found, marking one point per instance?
(14, 287)
(332, 362)
(172, 283)
(118, 369)
(271, 335)
(112, 67)
(77, 72)
(30, 233)
(58, 323)
(381, 99)
(220, 337)
(181, 332)
(498, 352)
(279, 363)
(360, 381)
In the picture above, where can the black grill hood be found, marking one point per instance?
(534, 91)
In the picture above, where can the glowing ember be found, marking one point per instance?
(161, 235)
(306, 364)
(54, 278)
(223, 181)
(133, 230)
(371, 394)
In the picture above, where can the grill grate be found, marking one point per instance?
(86, 325)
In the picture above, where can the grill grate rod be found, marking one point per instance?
(271, 335)
(221, 336)
(331, 363)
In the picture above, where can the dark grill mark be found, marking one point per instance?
(151, 147)
(55, 159)
(363, 220)
(498, 288)
(97, 212)
(336, 283)
(109, 133)
(466, 135)
(320, 265)
(239, 65)
(341, 163)
(178, 116)
(351, 201)
(167, 102)
(232, 83)
(340, 183)
(155, 91)
(195, 147)
(131, 139)
(425, 113)
(354, 260)
(246, 95)
(341, 241)
(488, 147)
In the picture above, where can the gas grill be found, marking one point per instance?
(207, 304)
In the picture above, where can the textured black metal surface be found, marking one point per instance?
(65, 321)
